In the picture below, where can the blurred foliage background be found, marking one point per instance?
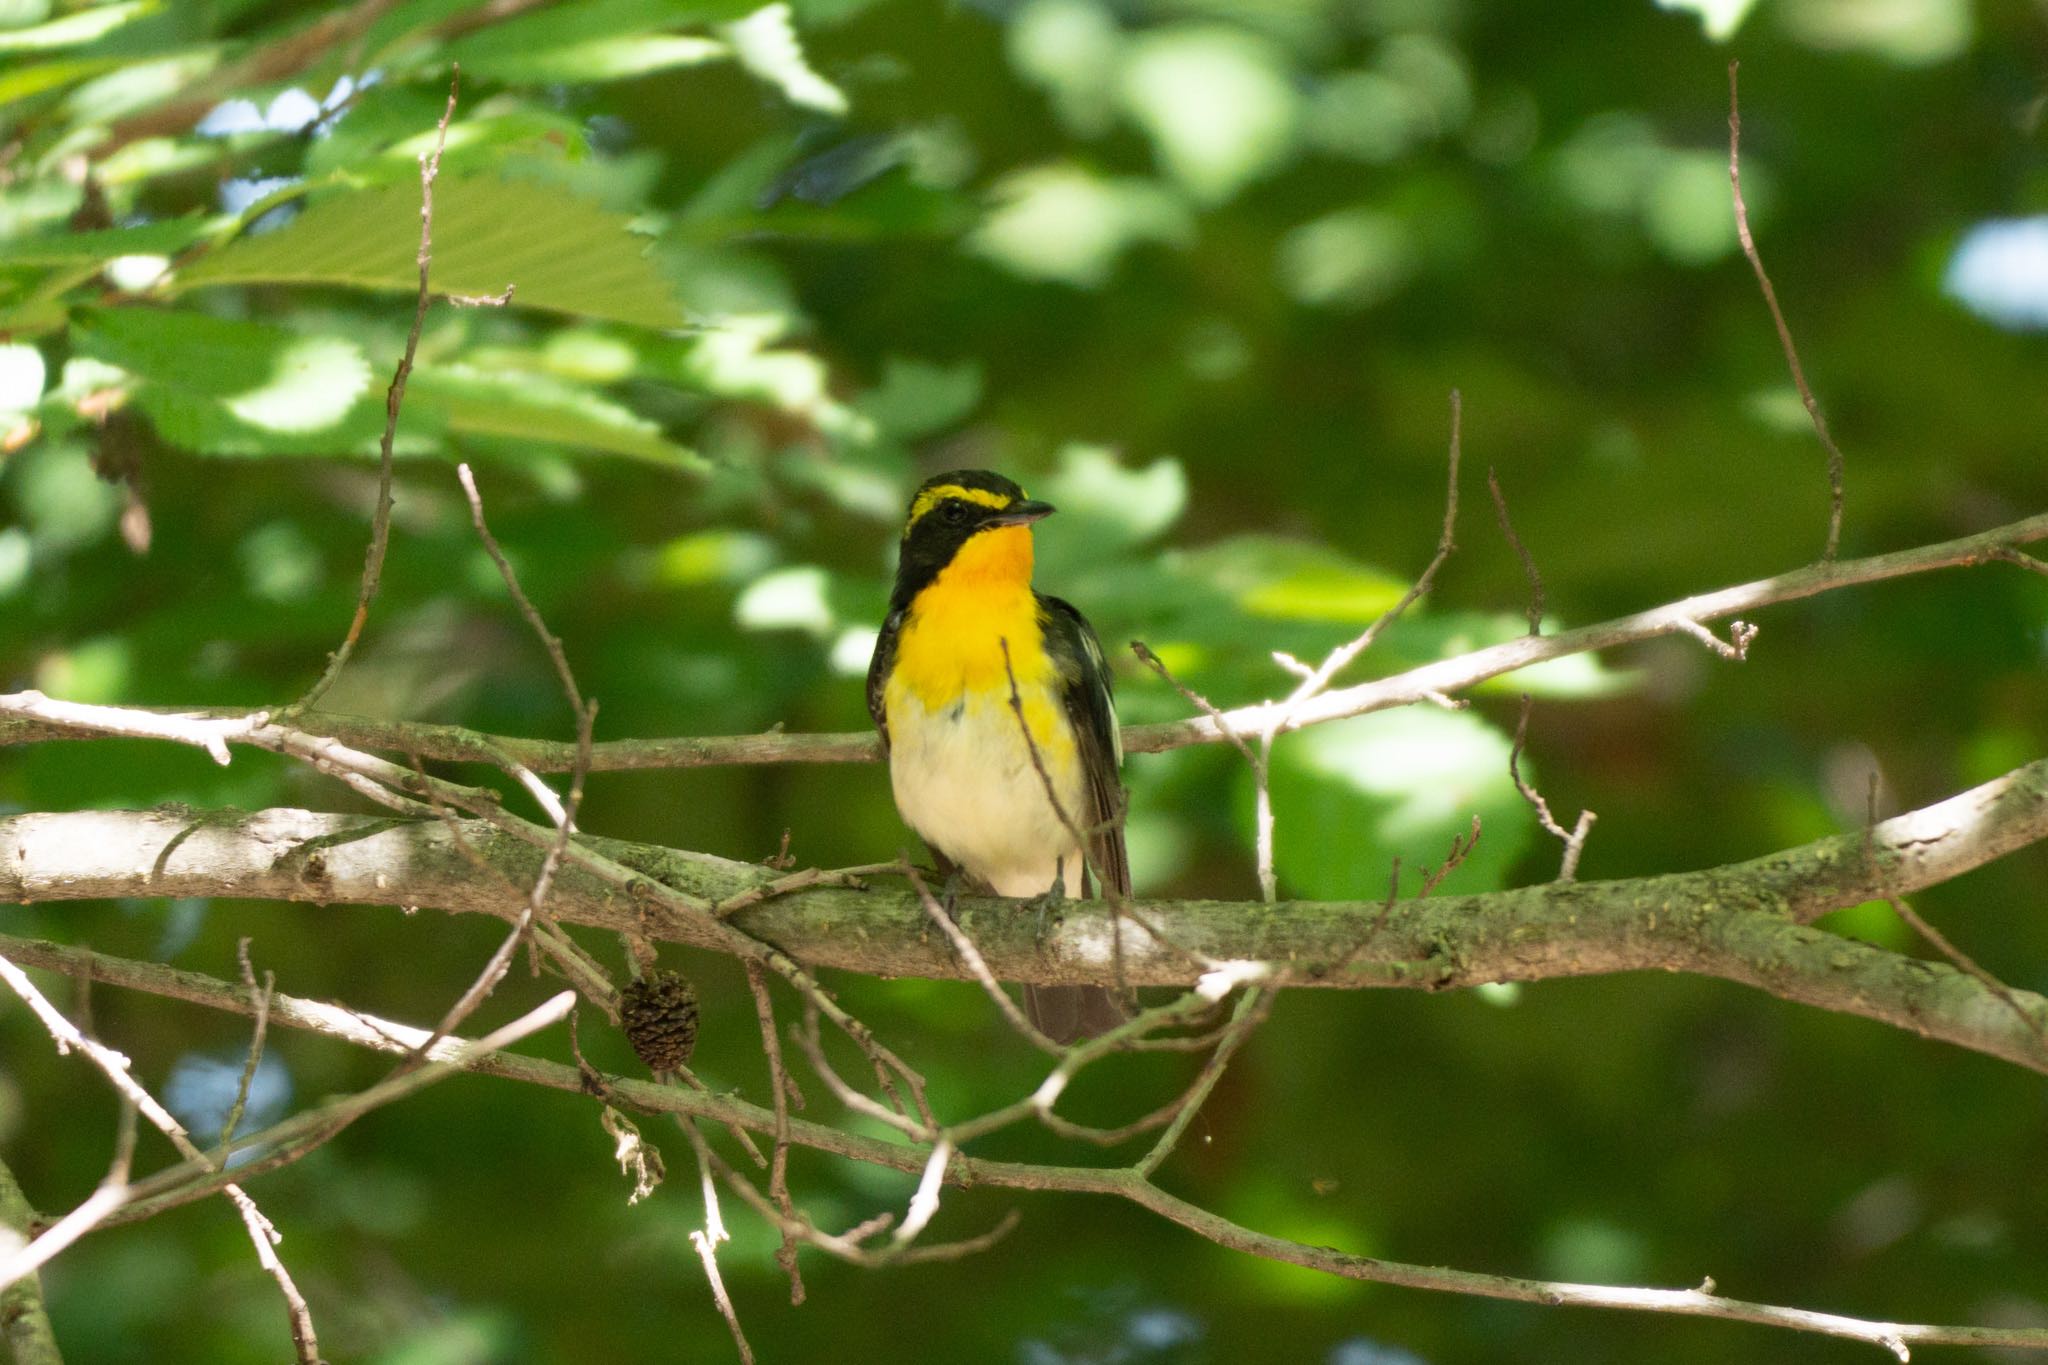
(1203, 272)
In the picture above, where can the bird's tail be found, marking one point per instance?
(1067, 1014)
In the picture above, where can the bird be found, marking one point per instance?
(968, 657)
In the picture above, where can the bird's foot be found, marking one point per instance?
(949, 894)
(1048, 904)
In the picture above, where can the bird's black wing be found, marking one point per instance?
(1091, 710)
(878, 674)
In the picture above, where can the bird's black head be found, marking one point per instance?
(950, 510)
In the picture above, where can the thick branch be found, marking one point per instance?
(1742, 922)
(1427, 683)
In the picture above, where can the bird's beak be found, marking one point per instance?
(1022, 513)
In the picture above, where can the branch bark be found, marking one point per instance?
(1747, 922)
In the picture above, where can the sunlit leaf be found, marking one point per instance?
(1720, 18)
(21, 378)
(84, 26)
(1291, 579)
(766, 44)
(541, 409)
(1063, 223)
(1217, 102)
(559, 252)
(1120, 506)
(1351, 796)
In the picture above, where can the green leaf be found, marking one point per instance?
(73, 29)
(917, 397)
(150, 239)
(766, 44)
(220, 386)
(560, 253)
(537, 408)
(1120, 507)
(1060, 222)
(1218, 103)
(1292, 580)
(599, 40)
(1351, 796)
(22, 82)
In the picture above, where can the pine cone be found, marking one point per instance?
(659, 1012)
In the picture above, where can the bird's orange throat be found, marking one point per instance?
(995, 559)
(952, 642)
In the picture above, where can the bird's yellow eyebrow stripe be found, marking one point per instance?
(932, 497)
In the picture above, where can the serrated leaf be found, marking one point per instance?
(150, 239)
(542, 409)
(560, 253)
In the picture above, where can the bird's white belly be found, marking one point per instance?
(964, 780)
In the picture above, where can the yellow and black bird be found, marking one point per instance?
(939, 689)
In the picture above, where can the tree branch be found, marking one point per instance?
(1128, 1183)
(1430, 682)
(1744, 922)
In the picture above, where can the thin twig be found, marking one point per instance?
(1507, 531)
(971, 955)
(707, 1238)
(782, 1087)
(262, 1235)
(1967, 963)
(1461, 848)
(1574, 840)
(1252, 1008)
(259, 1001)
(1117, 1183)
(1734, 649)
(394, 399)
(90, 1213)
(2006, 554)
(23, 722)
(1756, 263)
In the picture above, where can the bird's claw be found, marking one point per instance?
(1047, 905)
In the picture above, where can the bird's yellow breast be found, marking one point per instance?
(951, 643)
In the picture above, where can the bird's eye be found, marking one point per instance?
(955, 512)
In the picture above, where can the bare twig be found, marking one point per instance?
(1252, 1008)
(1507, 531)
(262, 1235)
(2032, 1019)
(1574, 840)
(1052, 795)
(259, 1000)
(90, 1213)
(971, 955)
(1461, 849)
(782, 1088)
(1756, 263)
(20, 723)
(1734, 649)
(394, 399)
(707, 1238)
(1118, 1183)
(2006, 554)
